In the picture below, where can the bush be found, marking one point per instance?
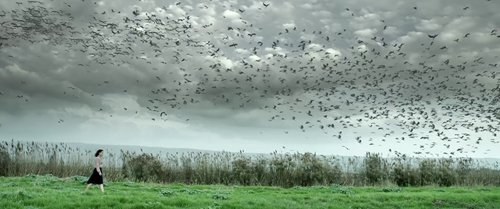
(311, 169)
(404, 175)
(445, 173)
(242, 170)
(427, 172)
(373, 168)
(259, 168)
(4, 161)
(463, 170)
(144, 167)
(281, 167)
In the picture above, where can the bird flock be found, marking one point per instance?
(422, 90)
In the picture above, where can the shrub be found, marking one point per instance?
(404, 175)
(463, 170)
(242, 170)
(281, 167)
(4, 161)
(187, 169)
(373, 168)
(311, 169)
(427, 172)
(260, 170)
(445, 173)
(144, 167)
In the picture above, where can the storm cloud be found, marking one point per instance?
(334, 77)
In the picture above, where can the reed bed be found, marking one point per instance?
(20, 158)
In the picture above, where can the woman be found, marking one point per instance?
(96, 177)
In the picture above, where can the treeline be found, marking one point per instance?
(274, 169)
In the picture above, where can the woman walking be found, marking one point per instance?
(96, 177)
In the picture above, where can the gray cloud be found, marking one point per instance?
(232, 70)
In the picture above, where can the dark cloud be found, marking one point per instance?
(293, 69)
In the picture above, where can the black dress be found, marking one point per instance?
(95, 178)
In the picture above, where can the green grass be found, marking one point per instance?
(36, 192)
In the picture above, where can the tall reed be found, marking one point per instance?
(275, 169)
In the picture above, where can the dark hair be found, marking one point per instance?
(98, 151)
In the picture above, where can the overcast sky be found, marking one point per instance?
(332, 77)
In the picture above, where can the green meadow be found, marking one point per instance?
(47, 191)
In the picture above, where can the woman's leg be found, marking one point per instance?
(88, 185)
(101, 186)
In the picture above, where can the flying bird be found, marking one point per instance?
(432, 36)
(425, 93)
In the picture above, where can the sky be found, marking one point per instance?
(345, 77)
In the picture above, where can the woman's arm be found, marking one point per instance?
(98, 165)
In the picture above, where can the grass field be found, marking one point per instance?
(34, 191)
